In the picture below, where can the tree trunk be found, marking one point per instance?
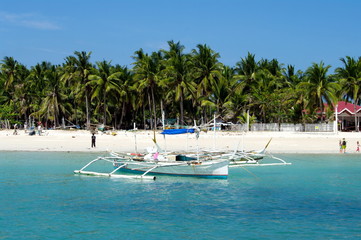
(162, 114)
(122, 115)
(144, 122)
(150, 112)
(356, 123)
(321, 109)
(181, 107)
(154, 114)
(76, 114)
(87, 112)
(104, 109)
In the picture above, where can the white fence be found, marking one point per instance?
(285, 127)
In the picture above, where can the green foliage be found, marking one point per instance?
(7, 112)
(185, 85)
(244, 116)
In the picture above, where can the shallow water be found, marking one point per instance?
(317, 197)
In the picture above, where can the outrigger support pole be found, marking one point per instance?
(91, 162)
(150, 169)
(117, 169)
(111, 174)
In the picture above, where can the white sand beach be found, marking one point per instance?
(129, 141)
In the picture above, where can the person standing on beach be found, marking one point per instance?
(93, 140)
(343, 145)
(358, 147)
(340, 144)
(15, 129)
(39, 128)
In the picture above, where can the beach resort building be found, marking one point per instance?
(348, 116)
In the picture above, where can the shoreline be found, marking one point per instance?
(129, 141)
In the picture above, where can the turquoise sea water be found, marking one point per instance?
(318, 197)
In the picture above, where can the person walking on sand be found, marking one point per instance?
(343, 145)
(340, 145)
(358, 147)
(93, 140)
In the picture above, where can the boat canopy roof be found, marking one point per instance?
(177, 131)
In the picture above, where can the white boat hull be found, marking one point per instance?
(205, 169)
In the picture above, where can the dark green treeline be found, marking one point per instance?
(186, 86)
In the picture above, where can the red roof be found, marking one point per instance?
(343, 106)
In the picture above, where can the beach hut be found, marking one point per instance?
(348, 117)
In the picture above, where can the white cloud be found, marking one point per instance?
(29, 21)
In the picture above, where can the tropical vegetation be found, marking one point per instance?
(186, 86)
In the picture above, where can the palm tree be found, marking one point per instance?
(205, 69)
(148, 70)
(36, 85)
(37, 75)
(77, 71)
(319, 87)
(9, 68)
(350, 80)
(221, 90)
(233, 100)
(126, 98)
(15, 87)
(103, 82)
(3, 96)
(246, 74)
(246, 70)
(273, 69)
(23, 94)
(54, 102)
(177, 69)
(293, 78)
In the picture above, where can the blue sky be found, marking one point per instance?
(296, 32)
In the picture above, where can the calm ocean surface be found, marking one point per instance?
(318, 197)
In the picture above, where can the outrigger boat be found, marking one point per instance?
(157, 162)
(243, 159)
(253, 158)
(154, 163)
(176, 165)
